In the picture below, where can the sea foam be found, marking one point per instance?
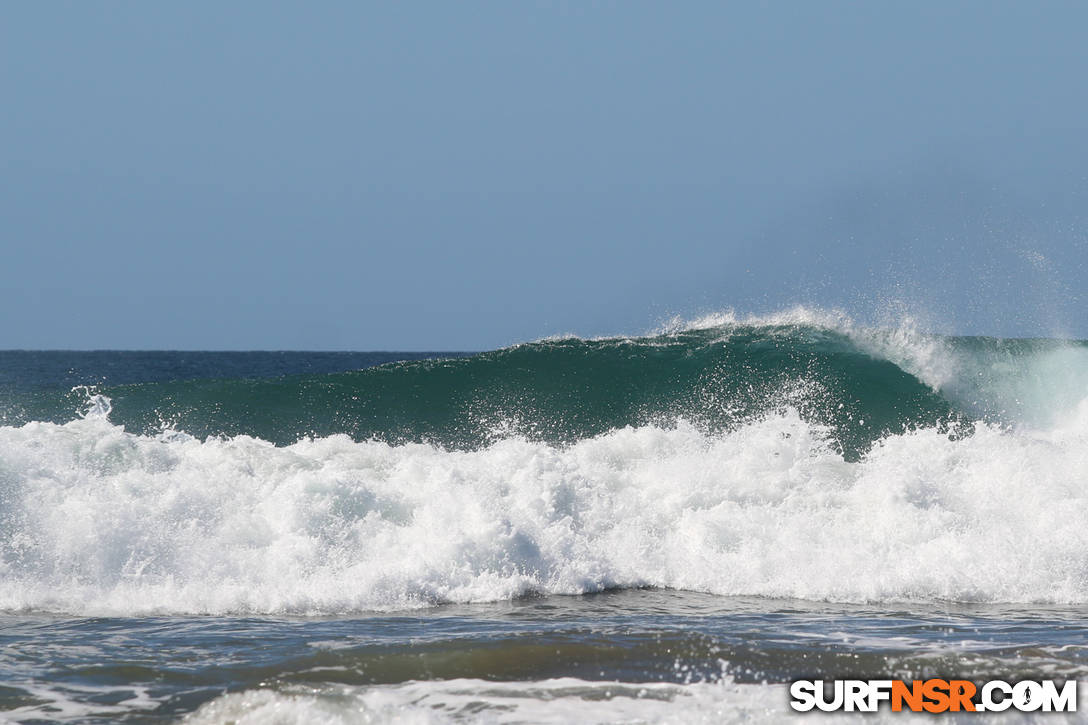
(549, 701)
(96, 520)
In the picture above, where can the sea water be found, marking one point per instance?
(664, 528)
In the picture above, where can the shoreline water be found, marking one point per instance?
(702, 653)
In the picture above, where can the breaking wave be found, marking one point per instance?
(797, 456)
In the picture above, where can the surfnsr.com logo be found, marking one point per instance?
(933, 695)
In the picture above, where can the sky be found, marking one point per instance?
(460, 176)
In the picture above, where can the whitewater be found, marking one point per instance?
(107, 522)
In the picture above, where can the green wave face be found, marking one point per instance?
(562, 391)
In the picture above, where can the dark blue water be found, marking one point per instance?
(22, 370)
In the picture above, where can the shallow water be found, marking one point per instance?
(593, 654)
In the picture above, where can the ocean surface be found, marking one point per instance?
(661, 528)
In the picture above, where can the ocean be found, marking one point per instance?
(661, 528)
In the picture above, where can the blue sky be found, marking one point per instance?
(465, 175)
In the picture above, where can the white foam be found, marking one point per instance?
(73, 702)
(99, 521)
(563, 700)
